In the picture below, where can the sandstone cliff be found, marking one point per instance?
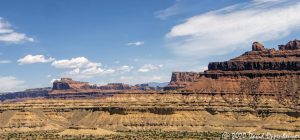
(68, 83)
(152, 112)
(270, 71)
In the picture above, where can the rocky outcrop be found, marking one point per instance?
(178, 77)
(292, 45)
(115, 86)
(272, 71)
(260, 59)
(256, 46)
(262, 65)
(67, 88)
(68, 83)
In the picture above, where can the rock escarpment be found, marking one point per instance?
(260, 59)
(149, 112)
(115, 86)
(68, 88)
(271, 71)
(68, 83)
(180, 79)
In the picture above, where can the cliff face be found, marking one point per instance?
(180, 79)
(68, 83)
(286, 58)
(68, 88)
(270, 71)
(150, 112)
(115, 86)
(184, 76)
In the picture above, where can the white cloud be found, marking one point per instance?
(78, 62)
(5, 61)
(262, 1)
(149, 67)
(31, 59)
(223, 31)
(137, 43)
(10, 83)
(94, 71)
(7, 34)
(81, 67)
(124, 69)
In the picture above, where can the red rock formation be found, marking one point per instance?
(260, 71)
(256, 46)
(115, 86)
(292, 45)
(180, 79)
(66, 87)
(68, 83)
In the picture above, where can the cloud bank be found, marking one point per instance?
(81, 67)
(10, 83)
(149, 67)
(225, 30)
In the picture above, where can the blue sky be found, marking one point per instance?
(132, 41)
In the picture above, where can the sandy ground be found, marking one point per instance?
(97, 131)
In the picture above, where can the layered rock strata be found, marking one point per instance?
(260, 71)
(257, 92)
(148, 112)
(68, 83)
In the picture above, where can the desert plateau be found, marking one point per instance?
(256, 92)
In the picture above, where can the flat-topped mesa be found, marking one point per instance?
(180, 79)
(68, 83)
(115, 86)
(184, 76)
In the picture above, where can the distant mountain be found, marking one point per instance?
(155, 84)
(28, 93)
